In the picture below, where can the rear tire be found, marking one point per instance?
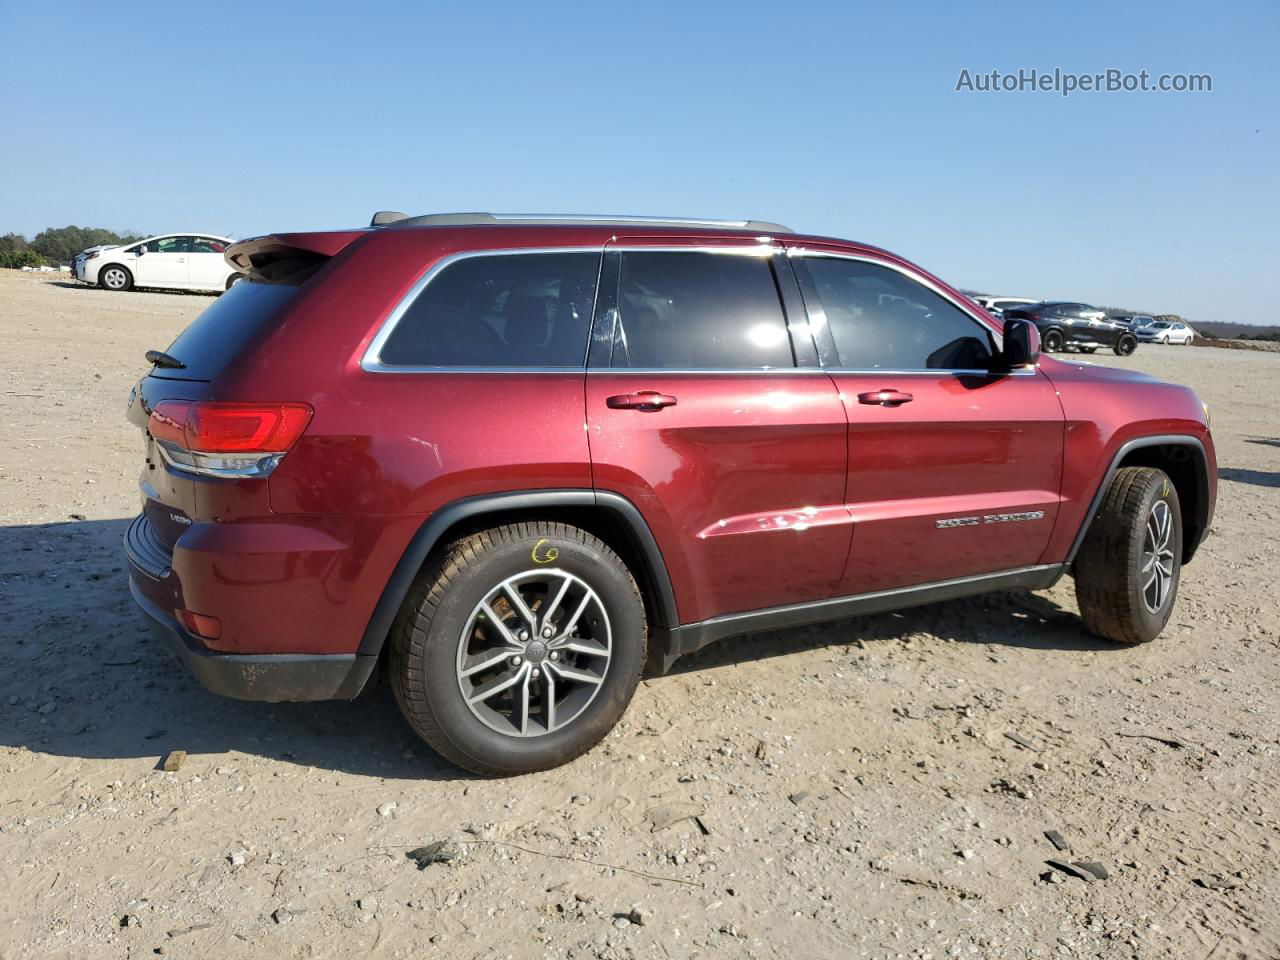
(459, 634)
(1126, 345)
(1053, 341)
(115, 277)
(234, 279)
(1128, 567)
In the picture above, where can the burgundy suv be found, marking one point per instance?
(515, 459)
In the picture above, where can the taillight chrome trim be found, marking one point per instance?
(217, 465)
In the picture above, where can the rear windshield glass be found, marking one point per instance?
(222, 331)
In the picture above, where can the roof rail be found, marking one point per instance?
(386, 217)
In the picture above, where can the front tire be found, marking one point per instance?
(1129, 565)
(115, 277)
(1126, 345)
(1053, 341)
(519, 648)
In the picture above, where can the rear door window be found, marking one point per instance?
(699, 311)
(499, 310)
(208, 245)
(881, 319)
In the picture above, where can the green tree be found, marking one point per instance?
(60, 244)
(13, 259)
(12, 242)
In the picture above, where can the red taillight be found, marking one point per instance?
(234, 428)
(201, 624)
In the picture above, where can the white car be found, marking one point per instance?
(174, 261)
(998, 305)
(1162, 331)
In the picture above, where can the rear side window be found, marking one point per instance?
(699, 311)
(881, 319)
(208, 245)
(231, 323)
(504, 310)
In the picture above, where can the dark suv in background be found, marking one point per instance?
(513, 460)
(1076, 326)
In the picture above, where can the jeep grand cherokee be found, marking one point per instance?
(515, 459)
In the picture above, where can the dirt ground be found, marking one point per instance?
(878, 787)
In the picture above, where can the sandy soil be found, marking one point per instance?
(857, 789)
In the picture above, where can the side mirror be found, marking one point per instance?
(1021, 344)
(140, 251)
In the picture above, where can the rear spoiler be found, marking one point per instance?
(286, 257)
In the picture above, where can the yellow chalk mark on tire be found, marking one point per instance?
(547, 556)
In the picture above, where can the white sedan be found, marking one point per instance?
(175, 261)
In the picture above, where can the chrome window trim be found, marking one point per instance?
(936, 371)
(806, 252)
(758, 249)
(371, 361)
(702, 372)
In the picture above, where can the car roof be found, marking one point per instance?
(185, 233)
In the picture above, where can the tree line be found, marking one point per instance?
(55, 245)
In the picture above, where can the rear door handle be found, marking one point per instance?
(643, 400)
(885, 398)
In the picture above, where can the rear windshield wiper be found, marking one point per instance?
(162, 359)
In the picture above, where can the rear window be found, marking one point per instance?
(232, 321)
(499, 310)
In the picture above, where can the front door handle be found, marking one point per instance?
(885, 398)
(644, 400)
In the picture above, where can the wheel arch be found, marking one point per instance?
(609, 516)
(1184, 459)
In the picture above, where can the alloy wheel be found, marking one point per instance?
(114, 279)
(1157, 557)
(534, 653)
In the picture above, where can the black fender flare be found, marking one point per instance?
(1202, 488)
(434, 527)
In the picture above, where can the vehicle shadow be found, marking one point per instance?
(73, 285)
(1259, 478)
(1015, 619)
(81, 674)
(73, 645)
(1267, 441)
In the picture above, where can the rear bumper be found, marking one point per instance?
(270, 677)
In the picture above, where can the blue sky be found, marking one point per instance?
(837, 118)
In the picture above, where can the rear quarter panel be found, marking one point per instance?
(382, 452)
